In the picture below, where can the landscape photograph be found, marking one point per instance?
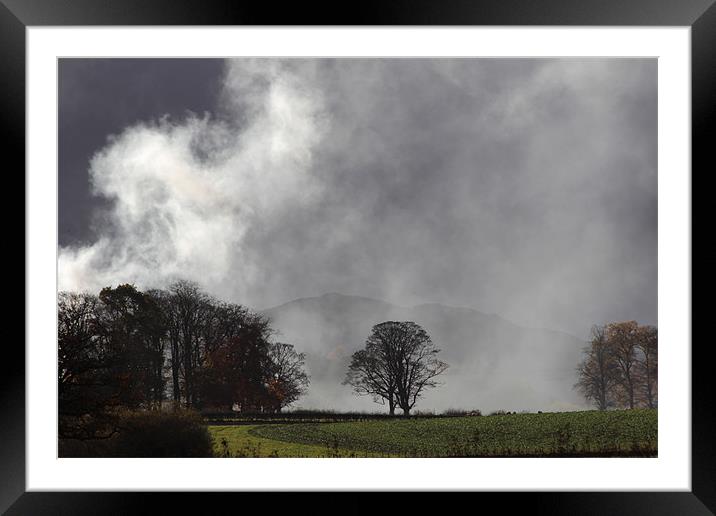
(357, 257)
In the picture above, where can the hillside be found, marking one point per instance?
(494, 364)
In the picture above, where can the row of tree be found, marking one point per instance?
(619, 368)
(125, 348)
(133, 349)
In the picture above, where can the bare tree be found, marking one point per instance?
(597, 373)
(287, 379)
(370, 374)
(414, 361)
(397, 364)
(185, 309)
(647, 344)
(622, 339)
(77, 332)
(85, 389)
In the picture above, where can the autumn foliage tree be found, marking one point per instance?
(254, 374)
(237, 374)
(647, 345)
(619, 367)
(288, 380)
(623, 338)
(128, 349)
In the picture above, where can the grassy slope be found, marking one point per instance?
(626, 432)
(242, 442)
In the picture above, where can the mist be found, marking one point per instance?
(520, 187)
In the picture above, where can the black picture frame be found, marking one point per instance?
(700, 15)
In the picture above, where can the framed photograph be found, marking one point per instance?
(424, 248)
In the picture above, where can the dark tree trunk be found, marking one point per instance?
(406, 412)
(649, 390)
(602, 403)
(391, 406)
(629, 380)
(188, 373)
(176, 393)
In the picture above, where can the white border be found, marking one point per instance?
(671, 470)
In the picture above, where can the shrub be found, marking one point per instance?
(499, 413)
(84, 448)
(181, 433)
(162, 434)
(452, 412)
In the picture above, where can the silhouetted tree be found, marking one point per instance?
(237, 373)
(398, 363)
(86, 391)
(287, 379)
(185, 309)
(370, 374)
(113, 349)
(133, 325)
(597, 373)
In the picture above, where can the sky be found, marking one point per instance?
(522, 187)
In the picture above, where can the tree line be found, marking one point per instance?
(619, 368)
(131, 349)
(128, 349)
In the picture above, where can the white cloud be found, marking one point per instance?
(185, 193)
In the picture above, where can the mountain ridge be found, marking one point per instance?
(431, 304)
(495, 363)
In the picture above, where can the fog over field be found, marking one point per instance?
(525, 188)
(494, 364)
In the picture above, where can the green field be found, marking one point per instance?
(589, 433)
(242, 441)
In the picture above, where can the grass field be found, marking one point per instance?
(562, 434)
(241, 441)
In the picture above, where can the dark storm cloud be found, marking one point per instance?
(100, 97)
(525, 187)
